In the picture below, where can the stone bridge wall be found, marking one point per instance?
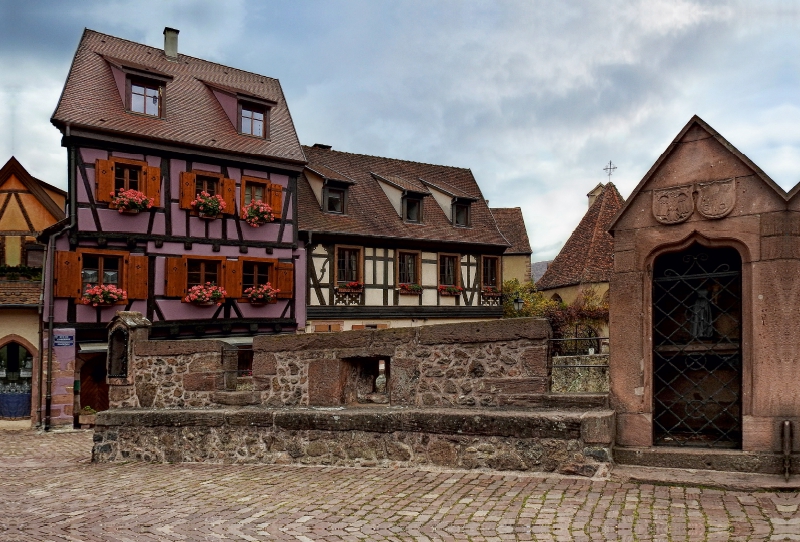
(501, 363)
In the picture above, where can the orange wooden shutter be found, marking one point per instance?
(276, 200)
(153, 185)
(284, 280)
(137, 276)
(228, 190)
(187, 189)
(104, 179)
(175, 277)
(67, 274)
(232, 278)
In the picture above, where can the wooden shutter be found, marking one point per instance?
(284, 280)
(228, 191)
(153, 185)
(276, 200)
(188, 187)
(232, 278)
(104, 179)
(175, 277)
(137, 276)
(67, 275)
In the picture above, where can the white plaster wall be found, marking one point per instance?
(395, 196)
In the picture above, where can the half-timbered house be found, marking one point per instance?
(393, 243)
(199, 143)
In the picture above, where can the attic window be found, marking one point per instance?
(334, 200)
(145, 96)
(253, 119)
(461, 214)
(412, 209)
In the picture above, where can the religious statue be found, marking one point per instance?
(700, 316)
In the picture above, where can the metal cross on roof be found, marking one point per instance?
(610, 169)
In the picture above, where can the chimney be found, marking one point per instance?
(171, 43)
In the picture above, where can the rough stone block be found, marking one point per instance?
(264, 363)
(324, 382)
(176, 348)
(634, 429)
(236, 398)
(598, 427)
(120, 393)
(511, 386)
(491, 330)
(206, 362)
(200, 382)
(534, 361)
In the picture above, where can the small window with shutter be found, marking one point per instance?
(120, 174)
(192, 183)
(86, 267)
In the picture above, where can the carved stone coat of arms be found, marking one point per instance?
(716, 199)
(673, 205)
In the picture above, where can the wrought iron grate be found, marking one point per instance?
(697, 348)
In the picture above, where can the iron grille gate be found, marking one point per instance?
(697, 358)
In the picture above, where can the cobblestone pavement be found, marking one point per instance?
(50, 491)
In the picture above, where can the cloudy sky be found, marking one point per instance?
(534, 96)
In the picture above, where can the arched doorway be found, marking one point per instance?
(697, 361)
(16, 372)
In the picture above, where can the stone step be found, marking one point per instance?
(704, 459)
(731, 481)
(568, 401)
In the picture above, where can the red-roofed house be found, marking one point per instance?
(517, 257)
(587, 257)
(396, 243)
(206, 144)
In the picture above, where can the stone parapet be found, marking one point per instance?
(570, 442)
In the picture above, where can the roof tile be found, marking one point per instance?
(512, 226)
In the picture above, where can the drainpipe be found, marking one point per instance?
(786, 437)
(51, 248)
(40, 369)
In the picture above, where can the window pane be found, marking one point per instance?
(89, 276)
(133, 178)
(246, 124)
(211, 273)
(258, 128)
(151, 101)
(462, 214)
(447, 270)
(110, 277)
(119, 178)
(258, 192)
(335, 201)
(137, 99)
(412, 210)
(193, 272)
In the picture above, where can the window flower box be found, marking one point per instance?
(261, 295)
(257, 213)
(207, 206)
(353, 287)
(103, 295)
(206, 295)
(450, 290)
(491, 291)
(409, 289)
(130, 202)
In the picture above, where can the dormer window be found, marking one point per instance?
(412, 209)
(145, 96)
(461, 214)
(334, 200)
(253, 119)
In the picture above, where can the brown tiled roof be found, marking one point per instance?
(512, 226)
(21, 292)
(587, 256)
(194, 117)
(370, 213)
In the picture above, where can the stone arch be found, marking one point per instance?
(22, 341)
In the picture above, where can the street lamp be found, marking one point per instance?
(518, 302)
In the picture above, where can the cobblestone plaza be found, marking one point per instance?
(50, 491)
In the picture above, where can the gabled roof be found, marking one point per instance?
(371, 214)
(512, 225)
(587, 256)
(33, 185)
(406, 185)
(91, 100)
(695, 120)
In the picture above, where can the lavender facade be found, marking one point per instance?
(170, 127)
